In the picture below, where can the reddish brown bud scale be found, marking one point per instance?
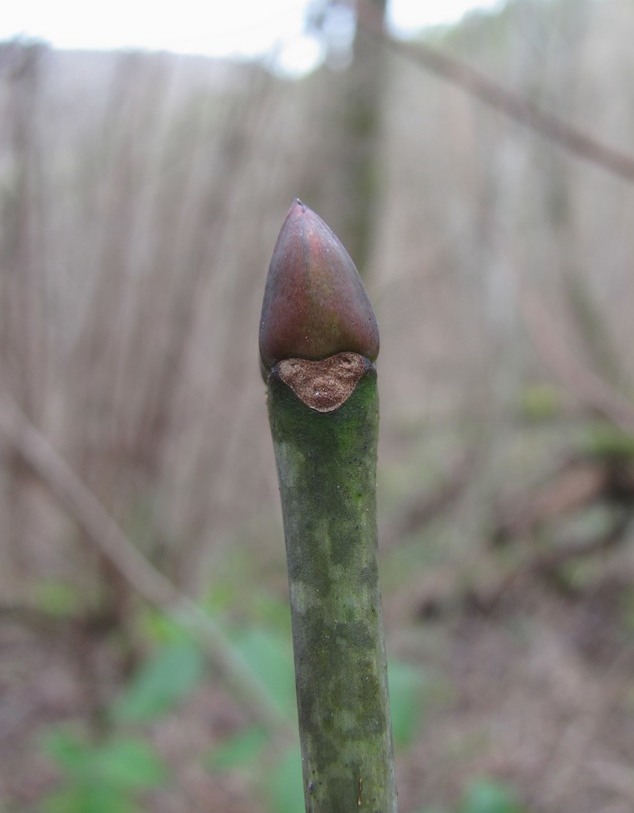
(315, 304)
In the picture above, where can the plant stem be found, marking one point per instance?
(327, 471)
(318, 338)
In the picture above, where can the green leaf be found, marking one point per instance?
(240, 750)
(130, 764)
(83, 797)
(406, 703)
(164, 680)
(69, 751)
(119, 764)
(485, 796)
(269, 656)
(160, 628)
(285, 785)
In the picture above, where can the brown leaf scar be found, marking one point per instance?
(326, 384)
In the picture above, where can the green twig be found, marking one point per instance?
(317, 353)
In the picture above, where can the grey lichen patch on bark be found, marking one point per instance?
(324, 385)
(327, 472)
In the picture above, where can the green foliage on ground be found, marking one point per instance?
(485, 796)
(110, 773)
(602, 440)
(101, 777)
(165, 679)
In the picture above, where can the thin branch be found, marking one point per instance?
(102, 530)
(512, 105)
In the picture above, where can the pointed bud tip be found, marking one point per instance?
(315, 304)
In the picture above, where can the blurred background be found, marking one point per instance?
(480, 172)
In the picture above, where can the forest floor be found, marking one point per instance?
(535, 693)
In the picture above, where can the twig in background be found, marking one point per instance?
(102, 530)
(496, 96)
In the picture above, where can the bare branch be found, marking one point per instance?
(505, 101)
(102, 530)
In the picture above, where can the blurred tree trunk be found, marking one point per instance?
(343, 179)
(22, 347)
